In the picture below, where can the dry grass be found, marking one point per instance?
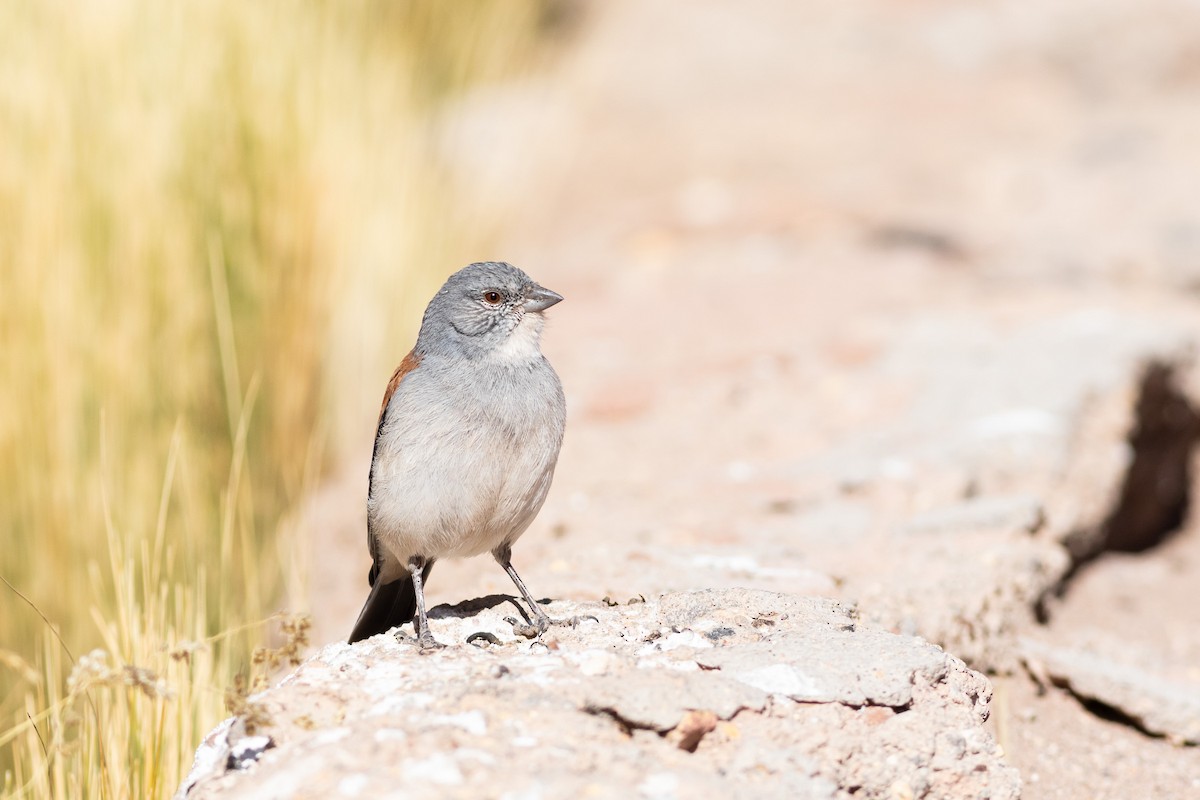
(217, 219)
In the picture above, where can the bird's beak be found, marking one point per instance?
(540, 299)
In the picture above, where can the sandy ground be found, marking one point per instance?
(744, 204)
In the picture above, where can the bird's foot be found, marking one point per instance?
(426, 644)
(530, 630)
(540, 624)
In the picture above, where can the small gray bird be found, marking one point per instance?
(468, 437)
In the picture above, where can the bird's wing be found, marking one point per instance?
(410, 362)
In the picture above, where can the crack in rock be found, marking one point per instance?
(1155, 491)
(1126, 692)
(657, 700)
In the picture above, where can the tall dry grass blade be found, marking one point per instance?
(224, 319)
(164, 502)
(237, 463)
(49, 626)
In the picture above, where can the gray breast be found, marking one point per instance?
(466, 456)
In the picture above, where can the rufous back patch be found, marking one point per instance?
(410, 362)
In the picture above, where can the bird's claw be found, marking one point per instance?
(574, 622)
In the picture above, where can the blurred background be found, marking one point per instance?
(219, 223)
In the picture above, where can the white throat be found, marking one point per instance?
(523, 343)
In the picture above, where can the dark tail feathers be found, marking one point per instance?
(389, 605)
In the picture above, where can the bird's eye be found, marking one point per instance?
(492, 297)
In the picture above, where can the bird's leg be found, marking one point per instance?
(541, 621)
(425, 639)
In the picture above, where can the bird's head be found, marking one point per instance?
(487, 309)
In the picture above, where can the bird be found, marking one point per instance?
(467, 441)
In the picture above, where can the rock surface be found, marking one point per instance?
(1023, 447)
(728, 693)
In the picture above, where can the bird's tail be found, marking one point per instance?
(389, 605)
